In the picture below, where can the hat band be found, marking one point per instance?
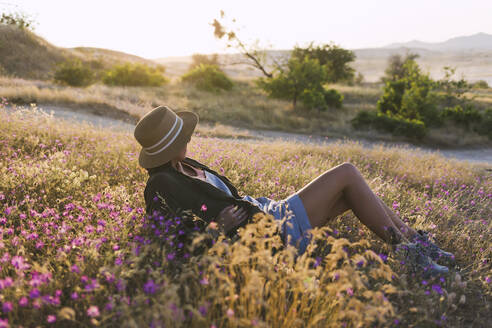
(179, 121)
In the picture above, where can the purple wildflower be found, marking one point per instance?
(150, 287)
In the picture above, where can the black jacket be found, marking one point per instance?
(185, 192)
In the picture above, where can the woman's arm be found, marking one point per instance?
(231, 217)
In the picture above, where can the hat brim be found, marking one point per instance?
(190, 120)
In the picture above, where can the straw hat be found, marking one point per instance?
(162, 133)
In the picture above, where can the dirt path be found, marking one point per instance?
(483, 155)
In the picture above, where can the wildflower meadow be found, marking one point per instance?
(78, 250)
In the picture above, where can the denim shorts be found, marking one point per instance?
(295, 228)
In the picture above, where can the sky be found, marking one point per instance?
(156, 29)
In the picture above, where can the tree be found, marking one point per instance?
(255, 57)
(454, 91)
(301, 78)
(298, 77)
(197, 59)
(396, 69)
(19, 19)
(334, 58)
(409, 95)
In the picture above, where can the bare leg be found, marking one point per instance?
(342, 188)
(368, 208)
(402, 226)
(341, 207)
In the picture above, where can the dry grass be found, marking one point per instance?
(244, 106)
(73, 228)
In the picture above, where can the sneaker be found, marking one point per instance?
(417, 261)
(432, 250)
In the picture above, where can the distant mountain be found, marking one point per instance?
(477, 42)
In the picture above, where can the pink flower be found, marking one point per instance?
(350, 291)
(230, 312)
(4, 323)
(93, 311)
(51, 318)
(18, 262)
(204, 207)
(23, 301)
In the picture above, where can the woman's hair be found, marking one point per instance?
(158, 168)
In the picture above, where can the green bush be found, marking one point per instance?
(390, 101)
(74, 73)
(313, 99)
(420, 103)
(480, 84)
(333, 98)
(208, 78)
(394, 124)
(334, 58)
(483, 127)
(197, 59)
(300, 80)
(137, 74)
(464, 116)
(411, 96)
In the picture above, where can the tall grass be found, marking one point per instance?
(244, 106)
(78, 250)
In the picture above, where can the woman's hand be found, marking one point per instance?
(231, 217)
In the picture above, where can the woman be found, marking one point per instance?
(188, 184)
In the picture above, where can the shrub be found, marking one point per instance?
(74, 73)
(300, 80)
(313, 99)
(137, 74)
(410, 95)
(390, 101)
(480, 84)
(333, 98)
(394, 124)
(420, 103)
(208, 78)
(197, 59)
(483, 127)
(464, 116)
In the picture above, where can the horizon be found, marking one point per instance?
(383, 25)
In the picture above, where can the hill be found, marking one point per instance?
(475, 42)
(471, 55)
(27, 55)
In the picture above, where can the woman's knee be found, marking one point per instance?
(349, 170)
